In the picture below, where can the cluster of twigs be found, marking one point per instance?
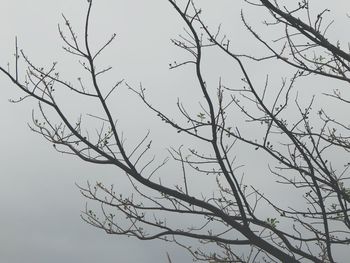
(226, 223)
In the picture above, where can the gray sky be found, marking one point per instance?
(40, 204)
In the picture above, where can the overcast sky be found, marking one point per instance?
(40, 204)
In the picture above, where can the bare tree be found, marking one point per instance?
(302, 149)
